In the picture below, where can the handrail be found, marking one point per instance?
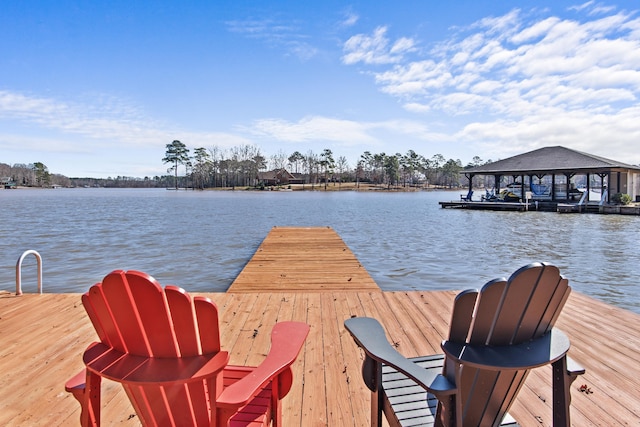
(19, 271)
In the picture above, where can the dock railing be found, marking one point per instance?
(19, 270)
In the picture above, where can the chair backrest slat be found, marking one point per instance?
(517, 295)
(184, 322)
(489, 304)
(188, 334)
(462, 316)
(207, 316)
(152, 398)
(560, 297)
(100, 316)
(537, 317)
(479, 386)
(148, 300)
(513, 383)
(124, 314)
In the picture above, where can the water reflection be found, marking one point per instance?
(202, 240)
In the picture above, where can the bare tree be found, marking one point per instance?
(342, 166)
(202, 167)
(311, 163)
(279, 160)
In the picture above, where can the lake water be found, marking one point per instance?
(202, 240)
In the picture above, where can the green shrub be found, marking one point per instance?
(621, 199)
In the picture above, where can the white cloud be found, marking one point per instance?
(376, 48)
(19, 143)
(350, 19)
(593, 8)
(535, 31)
(608, 135)
(582, 6)
(106, 118)
(417, 107)
(313, 128)
(415, 79)
(105, 121)
(500, 26)
(339, 132)
(524, 80)
(402, 45)
(286, 35)
(592, 65)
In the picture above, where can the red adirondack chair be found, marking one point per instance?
(164, 348)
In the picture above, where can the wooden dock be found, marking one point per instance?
(546, 206)
(42, 338)
(488, 206)
(306, 259)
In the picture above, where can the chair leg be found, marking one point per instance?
(220, 417)
(91, 406)
(563, 377)
(372, 375)
(276, 404)
(376, 408)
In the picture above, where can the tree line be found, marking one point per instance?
(37, 175)
(31, 175)
(240, 166)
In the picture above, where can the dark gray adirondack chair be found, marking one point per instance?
(496, 336)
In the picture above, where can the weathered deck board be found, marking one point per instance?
(42, 338)
(303, 259)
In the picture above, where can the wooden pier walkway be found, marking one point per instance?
(42, 338)
(303, 259)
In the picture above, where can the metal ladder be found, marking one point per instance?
(19, 271)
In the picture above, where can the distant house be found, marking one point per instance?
(278, 177)
(6, 182)
(298, 177)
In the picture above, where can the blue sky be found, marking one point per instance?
(98, 88)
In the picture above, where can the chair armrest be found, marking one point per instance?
(139, 370)
(370, 336)
(538, 352)
(574, 368)
(76, 386)
(76, 383)
(287, 339)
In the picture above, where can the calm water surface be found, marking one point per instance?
(202, 240)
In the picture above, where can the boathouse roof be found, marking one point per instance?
(551, 159)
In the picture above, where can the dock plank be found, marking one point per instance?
(314, 394)
(296, 310)
(339, 411)
(306, 259)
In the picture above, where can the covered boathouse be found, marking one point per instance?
(559, 174)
